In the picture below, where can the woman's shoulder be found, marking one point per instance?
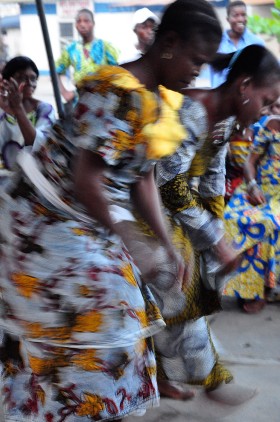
(108, 77)
(194, 115)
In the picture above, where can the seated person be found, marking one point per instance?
(252, 219)
(24, 120)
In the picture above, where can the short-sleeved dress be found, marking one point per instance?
(70, 291)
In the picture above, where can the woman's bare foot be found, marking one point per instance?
(231, 394)
(174, 390)
(253, 306)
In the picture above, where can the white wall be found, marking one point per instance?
(117, 28)
(32, 42)
(12, 40)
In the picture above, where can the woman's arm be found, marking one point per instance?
(89, 187)
(255, 194)
(45, 118)
(146, 199)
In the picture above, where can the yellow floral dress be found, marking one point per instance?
(71, 294)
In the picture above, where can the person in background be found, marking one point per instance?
(239, 149)
(252, 219)
(24, 120)
(235, 38)
(86, 55)
(71, 292)
(144, 24)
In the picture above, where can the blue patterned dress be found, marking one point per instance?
(255, 229)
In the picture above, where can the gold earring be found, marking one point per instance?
(167, 56)
(246, 101)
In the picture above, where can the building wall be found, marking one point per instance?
(31, 37)
(112, 24)
(12, 41)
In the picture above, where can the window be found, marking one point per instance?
(66, 33)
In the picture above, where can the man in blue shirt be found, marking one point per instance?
(236, 38)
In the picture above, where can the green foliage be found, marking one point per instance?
(269, 26)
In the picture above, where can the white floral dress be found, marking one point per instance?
(70, 291)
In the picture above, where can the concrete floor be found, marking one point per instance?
(249, 345)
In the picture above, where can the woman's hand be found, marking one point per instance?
(68, 95)
(10, 95)
(182, 269)
(15, 94)
(227, 256)
(256, 196)
(4, 93)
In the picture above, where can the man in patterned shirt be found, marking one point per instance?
(84, 56)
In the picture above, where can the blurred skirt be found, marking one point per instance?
(76, 317)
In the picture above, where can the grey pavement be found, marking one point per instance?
(249, 345)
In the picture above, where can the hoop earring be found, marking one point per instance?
(167, 56)
(246, 101)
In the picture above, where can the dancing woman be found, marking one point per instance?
(185, 349)
(71, 293)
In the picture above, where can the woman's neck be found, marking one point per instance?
(29, 104)
(145, 71)
(218, 102)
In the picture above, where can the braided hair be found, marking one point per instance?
(189, 17)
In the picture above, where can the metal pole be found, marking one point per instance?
(41, 14)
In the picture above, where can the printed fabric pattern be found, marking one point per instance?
(255, 229)
(71, 293)
(98, 52)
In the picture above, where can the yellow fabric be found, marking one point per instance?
(161, 128)
(215, 205)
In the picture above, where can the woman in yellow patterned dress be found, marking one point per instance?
(185, 349)
(70, 290)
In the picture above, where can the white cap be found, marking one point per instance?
(141, 15)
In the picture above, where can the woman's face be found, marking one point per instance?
(178, 72)
(258, 97)
(28, 78)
